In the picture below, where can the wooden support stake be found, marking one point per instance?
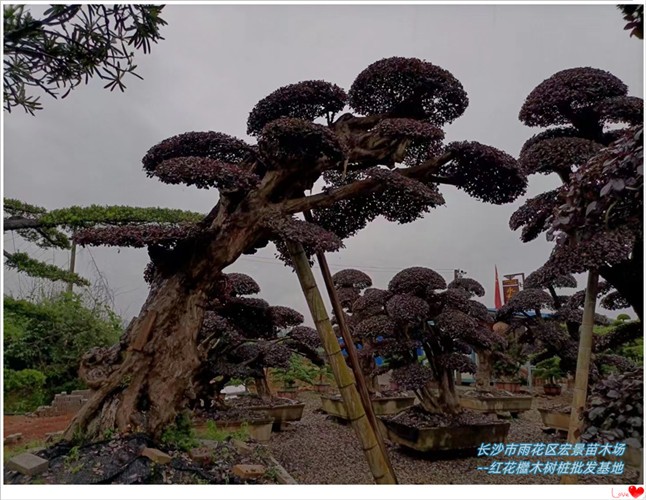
(582, 365)
(377, 460)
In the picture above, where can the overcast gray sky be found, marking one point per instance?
(216, 62)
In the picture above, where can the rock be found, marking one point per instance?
(13, 438)
(53, 436)
(28, 464)
(241, 446)
(202, 455)
(244, 471)
(157, 456)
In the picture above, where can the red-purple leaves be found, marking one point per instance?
(305, 100)
(408, 88)
(484, 172)
(567, 95)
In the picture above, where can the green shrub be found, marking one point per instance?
(24, 390)
(181, 434)
(51, 335)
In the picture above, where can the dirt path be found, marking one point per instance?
(34, 428)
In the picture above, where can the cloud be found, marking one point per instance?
(217, 61)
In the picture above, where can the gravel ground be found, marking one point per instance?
(318, 450)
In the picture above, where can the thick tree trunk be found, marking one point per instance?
(149, 376)
(428, 400)
(485, 370)
(157, 365)
(448, 398)
(262, 388)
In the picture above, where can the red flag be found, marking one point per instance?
(497, 298)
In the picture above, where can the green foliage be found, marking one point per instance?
(300, 369)
(549, 369)
(622, 318)
(75, 216)
(181, 434)
(215, 434)
(24, 390)
(22, 262)
(51, 336)
(634, 351)
(69, 44)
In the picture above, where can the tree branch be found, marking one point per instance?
(17, 222)
(321, 200)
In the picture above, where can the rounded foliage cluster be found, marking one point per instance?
(468, 284)
(408, 88)
(241, 284)
(306, 100)
(455, 323)
(528, 299)
(306, 336)
(212, 145)
(403, 199)
(534, 214)
(559, 155)
(375, 326)
(416, 281)
(560, 97)
(542, 278)
(205, 173)
(424, 140)
(372, 300)
(484, 172)
(295, 140)
(351, 278)
(600, 249)
(313, 237)
(412, 377)
(623, 109)
(282, 316)
(407, 309)
(136, 235)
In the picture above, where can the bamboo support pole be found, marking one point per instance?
(582, 365)
(377, 460)
(351, 349)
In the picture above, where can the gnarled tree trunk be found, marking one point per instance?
(485, 370)
(154, 367)
(145, 380)
(262, 388)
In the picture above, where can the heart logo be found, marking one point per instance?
(636, 492)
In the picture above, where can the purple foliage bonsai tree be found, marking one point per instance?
(352, 285)
(596, 215)
(378, 148)
(419, 311)
(556, 333)
(242, 337)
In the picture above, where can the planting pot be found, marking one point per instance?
(512, 404)
(465, 437)
(323, 388)
(291, 411)
(333, 405)
(260, 429)
(555, 419)
(552, 389)
(288, 393)
(508, 386)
